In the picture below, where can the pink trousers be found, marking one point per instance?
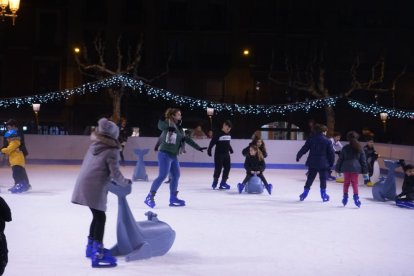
(351, 178)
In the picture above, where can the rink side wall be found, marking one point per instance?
(70, 149)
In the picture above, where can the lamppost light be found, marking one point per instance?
(36, 107)
(383, 116)
(76, 50)
(210, 111)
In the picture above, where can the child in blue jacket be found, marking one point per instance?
(320, 160)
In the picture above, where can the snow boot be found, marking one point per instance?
(224, 185)
(149, 200)
(345, 199)
(102, 257)
(269, 188)
(175, 201)
(303, 195)
(356, 200)
(214, 185)
(240, 187)
(324, 195)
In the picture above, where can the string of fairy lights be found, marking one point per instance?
(193, 103)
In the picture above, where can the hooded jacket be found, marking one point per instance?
(99, 168)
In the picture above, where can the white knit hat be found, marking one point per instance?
(108, 128)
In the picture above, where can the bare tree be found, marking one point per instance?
(312, 81)
(126, 62)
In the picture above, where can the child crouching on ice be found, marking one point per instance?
(254, 165)
(406, 197)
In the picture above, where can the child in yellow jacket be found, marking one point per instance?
(17, 162)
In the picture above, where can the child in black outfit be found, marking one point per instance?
(371, 156)
(5, 215)
(221, 155)
(254, 165)
(406, 197)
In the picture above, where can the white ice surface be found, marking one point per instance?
(218, 232)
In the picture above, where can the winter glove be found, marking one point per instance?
(201, 149)
(171, 129)
(366, 177)
(338, 152)
(297, 159)
(209, 153)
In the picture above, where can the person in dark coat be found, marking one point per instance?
(320, 159)
(5, 216)
(351, 163)
(254, 165)
(407, 193)
(124, 132)
(100, 168)
(372, 156)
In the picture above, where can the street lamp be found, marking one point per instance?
(210, 113)
(13, 7)
(384, 118)
(36, 109)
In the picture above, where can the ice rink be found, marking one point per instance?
(218, 232)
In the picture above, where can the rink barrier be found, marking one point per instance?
(70, 149)
(155, 164)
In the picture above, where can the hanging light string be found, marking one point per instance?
(375, 110)
(139, 86)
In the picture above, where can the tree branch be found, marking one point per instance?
(377, 77)
(100, 50)
(119, 54)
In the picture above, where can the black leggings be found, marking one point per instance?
(260, 175)
(97, 228)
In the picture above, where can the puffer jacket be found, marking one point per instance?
(99, 168)
(16, 156)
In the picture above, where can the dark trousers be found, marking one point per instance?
(260, 175)
(221, 162)
(323, 173)
(97, 228)
(370, 163)
(121, 153)
(19, 174)
(3, 253)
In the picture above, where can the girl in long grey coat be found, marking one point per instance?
(99, 168)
